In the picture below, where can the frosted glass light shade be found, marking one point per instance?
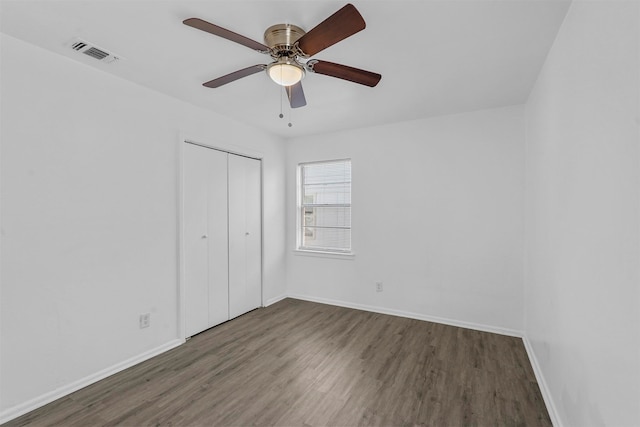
(285, 74)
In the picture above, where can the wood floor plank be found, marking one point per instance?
(308, 364)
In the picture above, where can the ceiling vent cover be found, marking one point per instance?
(93, 51)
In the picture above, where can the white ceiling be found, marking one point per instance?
(435, 57)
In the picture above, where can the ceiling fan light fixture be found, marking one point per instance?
(290, 48)
(285, 72)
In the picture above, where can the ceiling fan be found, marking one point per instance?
(290, 47)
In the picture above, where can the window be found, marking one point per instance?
(324, 206)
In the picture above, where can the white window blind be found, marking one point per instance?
(325, 206)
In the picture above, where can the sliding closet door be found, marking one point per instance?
(245, 246)
(195, 249)
(205, 238)
(218, 238)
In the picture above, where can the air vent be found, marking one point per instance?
(78, 45)
(93, 51)
(96, 53)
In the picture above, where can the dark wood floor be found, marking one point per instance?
(301, 363)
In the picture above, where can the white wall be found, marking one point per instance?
(89, 218)
(437, 217)
(583, 217)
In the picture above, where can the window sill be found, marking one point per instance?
(320, 254)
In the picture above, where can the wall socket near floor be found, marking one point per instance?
(378, 286)
(145, 320)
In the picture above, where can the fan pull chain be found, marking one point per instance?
(281, 95)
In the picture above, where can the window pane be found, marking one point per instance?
(328, 194)
(327, 183)
(327, 216)
(319, 173)
(326, 238)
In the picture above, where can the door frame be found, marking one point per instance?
(227, 148)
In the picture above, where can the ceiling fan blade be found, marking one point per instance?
(234, 76)
(225, 34)
(344, 72)
(342, 24)
(296, 95)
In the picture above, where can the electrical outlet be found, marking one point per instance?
(378, 286)
(145, 320)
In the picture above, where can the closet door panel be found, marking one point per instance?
(217, 238)
(245, 269)
(253, 241)
(195, 224)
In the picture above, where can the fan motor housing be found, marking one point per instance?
(282, 37)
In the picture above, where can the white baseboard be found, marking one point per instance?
(542, 383)
(274, 300)
(30, 405)
(410, 315)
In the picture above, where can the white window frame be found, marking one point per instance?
(331, 252)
